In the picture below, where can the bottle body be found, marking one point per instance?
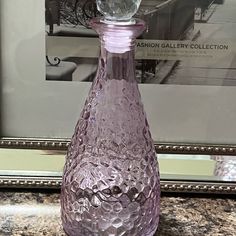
(111, 179)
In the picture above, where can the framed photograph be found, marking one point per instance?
(185, 67)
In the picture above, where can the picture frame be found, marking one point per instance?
(36, 115)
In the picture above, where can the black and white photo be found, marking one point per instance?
(205, 27)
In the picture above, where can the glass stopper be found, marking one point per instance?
(118, 11)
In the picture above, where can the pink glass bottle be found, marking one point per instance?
(111, 179)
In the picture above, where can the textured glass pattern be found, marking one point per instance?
(111, 179)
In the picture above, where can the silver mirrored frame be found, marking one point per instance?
(172, 186)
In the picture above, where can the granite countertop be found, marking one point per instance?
(38, 213)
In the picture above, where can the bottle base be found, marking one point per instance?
(71, 233)
(152, 233)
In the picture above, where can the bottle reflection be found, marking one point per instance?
(225, 167)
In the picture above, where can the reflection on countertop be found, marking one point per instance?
(38, 213)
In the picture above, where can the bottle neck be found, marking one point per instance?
(117, 60)
(117, 48)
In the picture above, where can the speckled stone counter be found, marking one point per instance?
(27, 214)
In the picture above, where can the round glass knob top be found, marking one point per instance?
(118, 10)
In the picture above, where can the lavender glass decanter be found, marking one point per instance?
(111, 183)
